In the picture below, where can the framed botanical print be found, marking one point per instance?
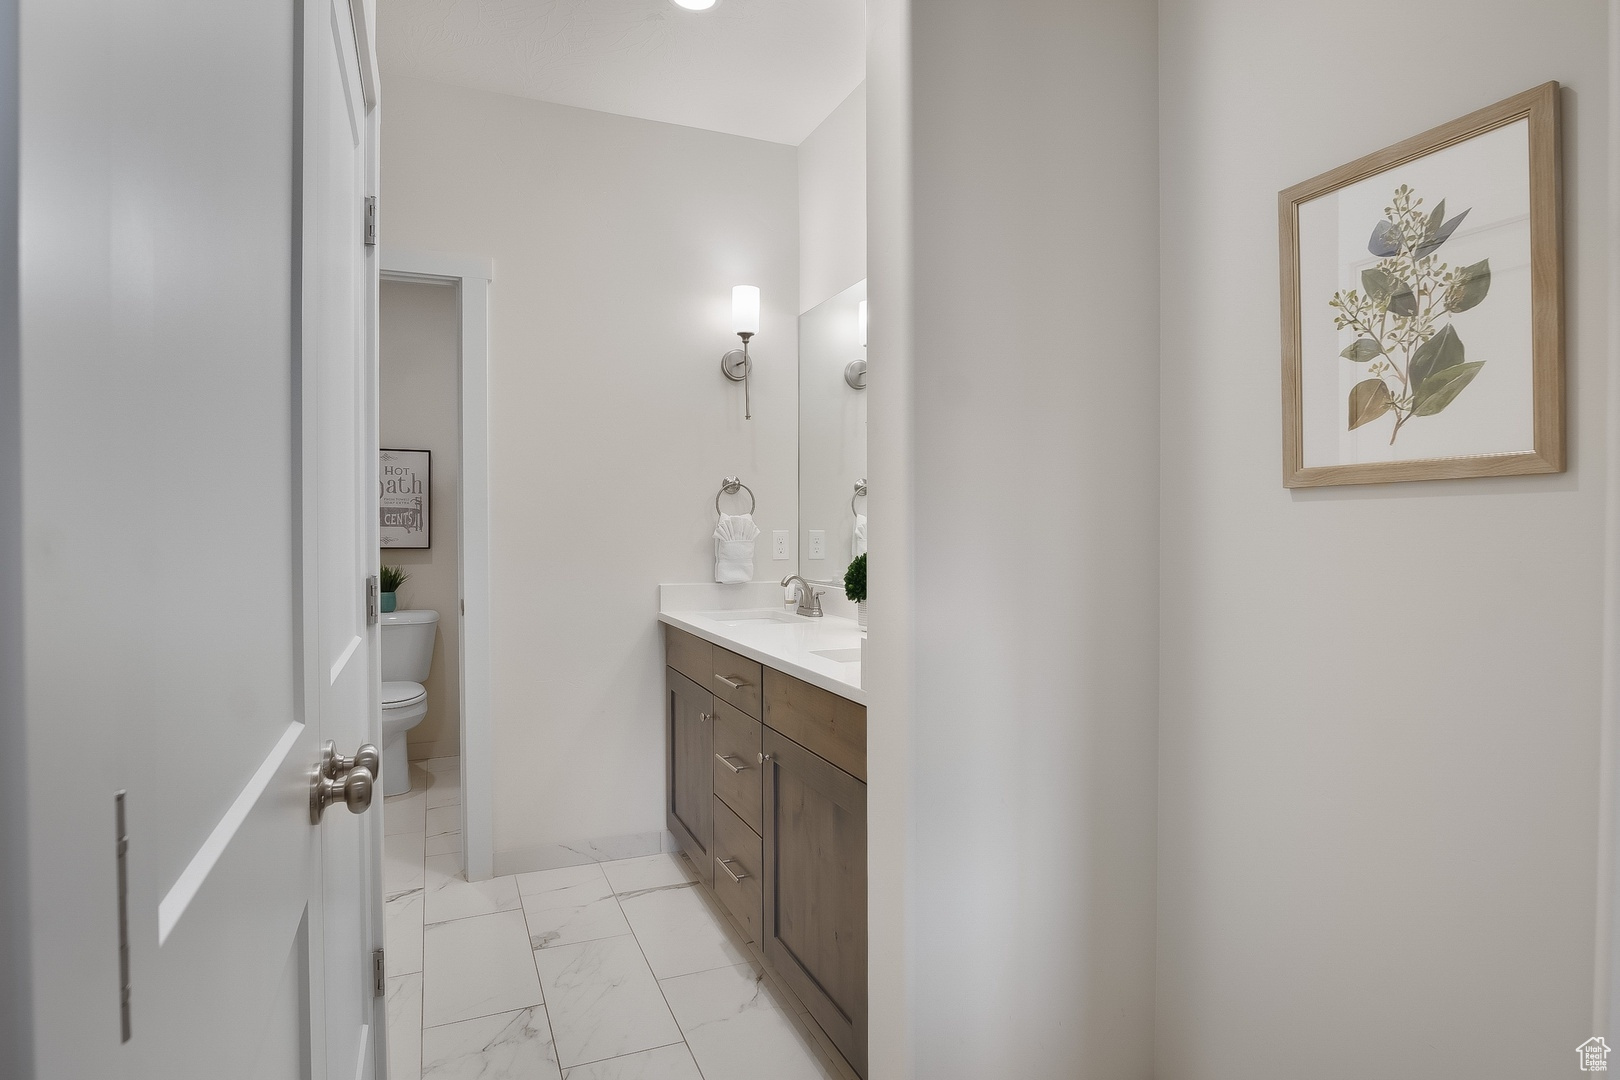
(1422, 306)
(404, 480)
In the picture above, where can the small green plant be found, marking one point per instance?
(393, 577)
(855, 580)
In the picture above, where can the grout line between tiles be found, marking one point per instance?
(421, 1002)
(581, 941)
(633, 1053)
(528, 941)
(656, 981)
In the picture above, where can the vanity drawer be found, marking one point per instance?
(738, 742)
(736, 681)
(689, 655)
(827, 725)
(739, 855)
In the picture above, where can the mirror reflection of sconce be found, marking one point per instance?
(745, 322)
(855, 370)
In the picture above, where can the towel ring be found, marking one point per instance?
(730, 486)
(860, 493)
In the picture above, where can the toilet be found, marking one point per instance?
(407, 654)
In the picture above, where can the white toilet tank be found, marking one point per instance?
(407, 645)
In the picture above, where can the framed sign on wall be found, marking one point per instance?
(403, 498)
(1422, 306)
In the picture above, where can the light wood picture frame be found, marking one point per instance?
(1448, 320)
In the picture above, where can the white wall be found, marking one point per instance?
(615, 243)
(419, 330)
(1379, 767)
(1014, 398)
(16, 1011)
(832, 203)
(888, 673)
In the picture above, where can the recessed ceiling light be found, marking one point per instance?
(695, 5)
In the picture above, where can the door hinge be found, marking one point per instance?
(371, 599)
(371, 221)
(124, 989)
(379, 984)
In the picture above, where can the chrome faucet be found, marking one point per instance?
(809, 600)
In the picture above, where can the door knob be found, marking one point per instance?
(334, 764)
(341, 779)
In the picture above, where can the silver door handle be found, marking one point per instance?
(734, 683)
(735, 764)
(334, 764)
(725, 864)
(351, 786)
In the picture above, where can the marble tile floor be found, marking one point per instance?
(610, 971)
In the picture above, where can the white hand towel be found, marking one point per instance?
(857, 546)
(734, 548)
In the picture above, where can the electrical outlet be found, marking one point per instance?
(818, 544)
(779, 544)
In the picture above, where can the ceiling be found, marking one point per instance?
(765, 69)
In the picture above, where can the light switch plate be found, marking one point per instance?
(818, 543)
(779, 544)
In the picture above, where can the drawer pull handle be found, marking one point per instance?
(735, 764)
(703, 717)
(725, 864)
(733, 682)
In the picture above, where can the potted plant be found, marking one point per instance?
(392, 578)
(855, 586)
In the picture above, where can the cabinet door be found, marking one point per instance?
(815, 888)
(688, 710)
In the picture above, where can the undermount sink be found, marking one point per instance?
(738, 618)
(841, 656)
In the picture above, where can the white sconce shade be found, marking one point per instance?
(863, 324)
(695, 5)
(745, 309)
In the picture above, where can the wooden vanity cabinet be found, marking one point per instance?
(814, 918)
(689, 791)
(767, 796)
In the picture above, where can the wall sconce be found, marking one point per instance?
(855, 370)
(745, 322)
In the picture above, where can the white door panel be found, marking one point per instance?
(339, 458)
(197, 424)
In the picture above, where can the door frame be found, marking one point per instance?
(471, 279)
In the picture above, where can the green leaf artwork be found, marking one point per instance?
(1416, 363)
(1369, 399)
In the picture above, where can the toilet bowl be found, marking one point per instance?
(404, 705)
(407, 657)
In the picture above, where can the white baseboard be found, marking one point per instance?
(581, 852)
(446, 745)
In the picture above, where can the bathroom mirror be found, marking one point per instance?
(832, 433)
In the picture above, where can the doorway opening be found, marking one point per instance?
(430, 302)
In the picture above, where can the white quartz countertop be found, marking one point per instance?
(753, 621)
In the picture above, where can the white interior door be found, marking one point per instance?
(340, 464)
(197, 405)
